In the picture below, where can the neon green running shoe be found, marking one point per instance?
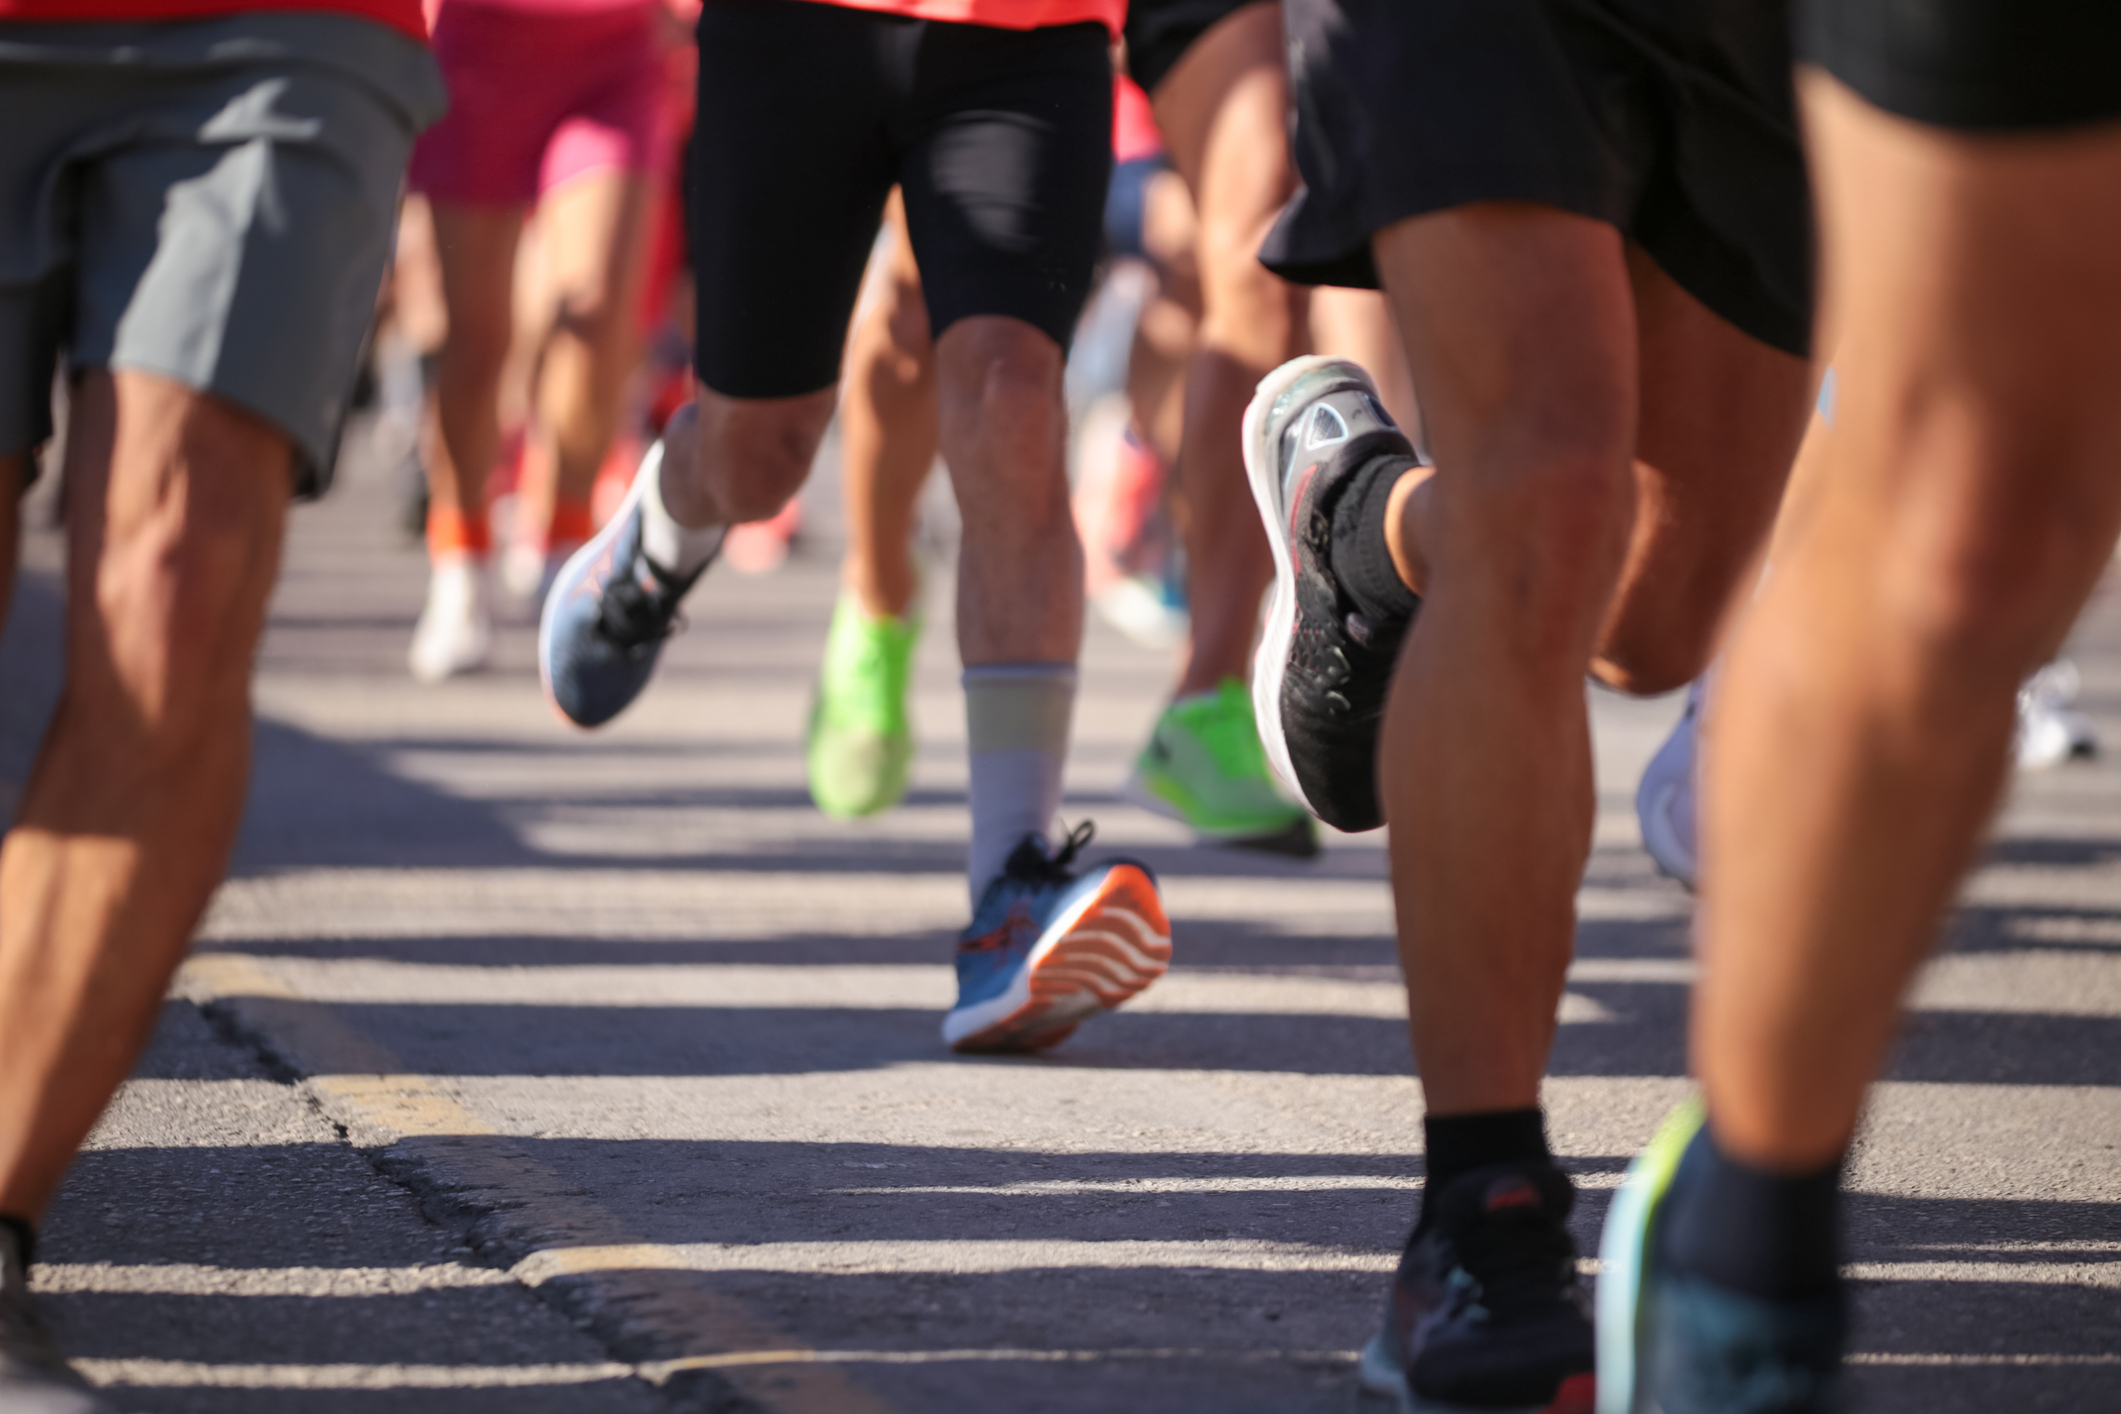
(860, 748)
(1204, 767)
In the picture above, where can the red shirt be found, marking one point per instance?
(402, 15)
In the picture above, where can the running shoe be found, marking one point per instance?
(1672, 1344)
(860, 749)
(1050, 948)
(2050, 729)
(1665, 799)
(1486, 1311)
(1323, 670)
(455, 632)
(34, 1376)
(1204, 768)
(607, 615)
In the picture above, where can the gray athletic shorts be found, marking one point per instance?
(209, 200)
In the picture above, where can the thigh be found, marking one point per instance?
(1519, 326)
(1975, 303)
(244, 262)
(791, 164)
(1007, 155)
(594, 229)
(1224, 111)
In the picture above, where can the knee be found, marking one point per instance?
(755, 453)
(1989, 588)
(1545, 530)
(1647, 662)
(1001, 388)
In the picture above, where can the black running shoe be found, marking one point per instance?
(1486, 1311)
(1322, 671)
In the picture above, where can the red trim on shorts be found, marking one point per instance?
(405, 16)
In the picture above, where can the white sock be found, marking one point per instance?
(1017, 716)
(677, 549)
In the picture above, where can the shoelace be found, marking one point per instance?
(1519, 1261)
(1031, 864)
(634, 615)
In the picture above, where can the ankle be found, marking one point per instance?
(1363, 517)
(1771, 1235)
(1456, 1145)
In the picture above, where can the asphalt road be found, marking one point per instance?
(523, 1069)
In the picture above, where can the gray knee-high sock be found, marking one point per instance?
(1017, 716)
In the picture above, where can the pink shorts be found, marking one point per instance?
(538, 95)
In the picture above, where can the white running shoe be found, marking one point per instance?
(1665, 801)
(2050, 731)
(455, 633)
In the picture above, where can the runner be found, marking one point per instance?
(1000, 139)
(198, 208)
(556, 102)
(1968, 158)
(1606, 309)
(1214, 71)
(859, 747)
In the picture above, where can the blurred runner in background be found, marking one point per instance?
(558, 103)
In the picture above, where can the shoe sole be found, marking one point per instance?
(577, 569)
(1381, 1378)
(1271, 662)
(1108, 947)
(1623, 1261)
(1294, 840)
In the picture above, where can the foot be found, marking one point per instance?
(34, 1376)
(607, 615)
(1665, 800)
(1323, 670)
(1049, 948)
(1677, 1344)
(1486, 1311)
(860, 750)
(1204, 767)
(455, 632)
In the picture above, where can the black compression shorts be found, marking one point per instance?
(1159, 32)
(809, 113)
(1673, 120)
(1994, 65)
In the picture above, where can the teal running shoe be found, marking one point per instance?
(1675, 1344)
(1205, 768)
(1049, 948)
(860, 746)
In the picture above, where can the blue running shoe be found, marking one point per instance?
(606, 617)
(1673, 1344)
(1048, 948)
(1486, 1312)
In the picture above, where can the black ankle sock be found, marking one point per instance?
(25, 1235)
(1769, 1235)
(1362, 559)
(1458, 1144)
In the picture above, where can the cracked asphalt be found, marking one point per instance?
(518, 1068)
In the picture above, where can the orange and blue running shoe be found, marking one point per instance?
(1050, 948)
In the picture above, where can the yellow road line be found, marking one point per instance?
(359, 1083)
